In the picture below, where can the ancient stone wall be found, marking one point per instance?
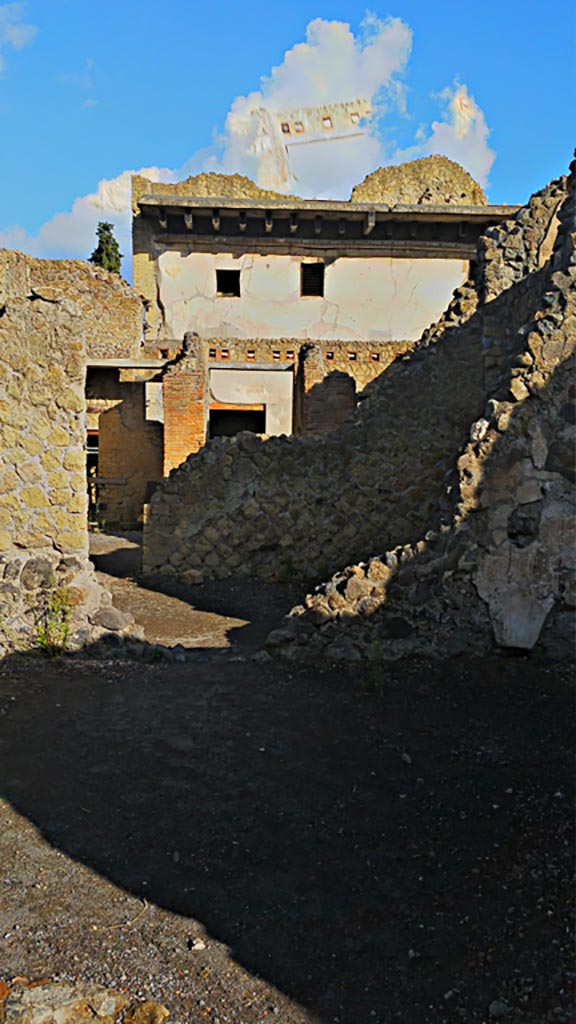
(222, 186)
(432, 180)
(111, 311)
(499, 566)
(362, 361)
(303, 506)
(326, 378)
(43, 500)
(129, 458)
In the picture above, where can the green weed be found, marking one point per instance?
(373, 681)
(53, 621)
(287, 571)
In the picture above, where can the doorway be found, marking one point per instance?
(227, 422)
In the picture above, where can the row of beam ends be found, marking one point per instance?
(368, 225)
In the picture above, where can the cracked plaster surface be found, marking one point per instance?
(378, 298)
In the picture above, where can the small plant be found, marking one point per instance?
(287, 571)
(155, 655)
(97, 525)
(53, 621)
(373, 682)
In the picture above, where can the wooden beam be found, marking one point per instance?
(163, 218)
(370, 222)
(216, 220)
(318, 224)
(242, 220)
(293, 223)
(188, 220)
(268, 222)
(449, 249)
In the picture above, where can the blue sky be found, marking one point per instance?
(88, 91)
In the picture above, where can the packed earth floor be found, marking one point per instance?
(245, 841)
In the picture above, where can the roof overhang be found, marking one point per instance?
(311, 227)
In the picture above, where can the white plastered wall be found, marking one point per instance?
(270, 388)
(365, 298)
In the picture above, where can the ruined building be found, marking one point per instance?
(270, 313)
(449, 493)
(434, 462)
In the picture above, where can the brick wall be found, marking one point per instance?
(185, 396)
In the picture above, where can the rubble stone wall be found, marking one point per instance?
(499, 566)
(112, 312)
(432, 180)
(43, 500)
(304, 506)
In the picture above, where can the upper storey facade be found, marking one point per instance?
(262, 266)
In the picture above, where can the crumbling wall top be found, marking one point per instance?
(432, 179)
(110, 308)
(204, 186)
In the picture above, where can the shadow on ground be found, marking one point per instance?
(218, 614)
(402, 856)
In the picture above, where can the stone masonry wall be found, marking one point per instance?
(43, 533)
(361, 360)
(304, 506)
(129, 458)
(326, 377)
(111, 310)
(430, 180)
(499, 566)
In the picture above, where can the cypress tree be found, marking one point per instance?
(107, 253)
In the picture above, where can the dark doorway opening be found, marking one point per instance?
(92, 448)
(227, 422)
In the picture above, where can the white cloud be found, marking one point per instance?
(72, 234)
(331, 66)
(13, 30)
(462, 135)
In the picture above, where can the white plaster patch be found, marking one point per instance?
(270, 388)
(364, 298)
(520, 585)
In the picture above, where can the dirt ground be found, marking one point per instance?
(221, 616)
(246, 842)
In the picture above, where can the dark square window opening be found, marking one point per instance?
(228, 283)
(312, 279)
